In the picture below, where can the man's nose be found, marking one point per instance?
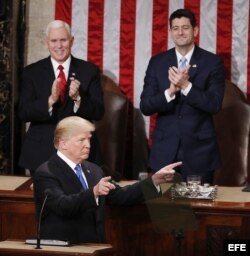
(58, 44)
(88, 145)
(180, 31)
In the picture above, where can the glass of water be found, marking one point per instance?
(193, 183)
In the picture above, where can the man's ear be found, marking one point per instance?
(196, 31)
(72, 40)
(63, 144)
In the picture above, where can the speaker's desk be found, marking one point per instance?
(130, 230)
(228, 217)
(11, 248)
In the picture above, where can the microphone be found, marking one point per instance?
(38, 240)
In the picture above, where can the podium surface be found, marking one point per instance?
(130, 229)
(10, 247)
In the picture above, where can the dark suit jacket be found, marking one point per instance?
(36, 85)
(187, 121)
(71, 213)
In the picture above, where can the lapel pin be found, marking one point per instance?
(194, 66)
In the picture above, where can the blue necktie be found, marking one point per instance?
(78, 170)
(182, 63)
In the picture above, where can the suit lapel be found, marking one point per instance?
(63, 170)
(47, 70)
(89, 174)
(194, 61)
(46, 78)
(171, 58)
(67, 173)
(73, 71)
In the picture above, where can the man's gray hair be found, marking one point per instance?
(58, 24)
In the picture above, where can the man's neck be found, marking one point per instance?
(184, 50)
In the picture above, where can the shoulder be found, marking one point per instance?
(38, 66)
(206, 54)
(42, 170)
(39, 63)
(166, 54)
(83, 63)
(163, 57)
(52, 165)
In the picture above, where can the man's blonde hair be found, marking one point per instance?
(71, 126)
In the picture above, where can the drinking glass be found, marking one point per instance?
(193, 183)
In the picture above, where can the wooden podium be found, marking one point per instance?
(11, 248)
(17, 208)
(130, 230)
(18, 221)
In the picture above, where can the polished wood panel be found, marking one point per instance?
(17, 212)
(132, 227)
(12, 248)
(131, 231)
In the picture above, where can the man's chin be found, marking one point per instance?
(85, 156)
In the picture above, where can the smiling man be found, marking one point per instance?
(54, 88)
(184, 86)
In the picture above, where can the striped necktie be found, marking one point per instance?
(183, 63)
(78, 170)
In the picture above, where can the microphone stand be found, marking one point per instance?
(38, 241)
(178, 235)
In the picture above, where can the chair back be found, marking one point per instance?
(112, 129)
(232, 125)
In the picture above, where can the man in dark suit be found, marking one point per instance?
(47, 95)
(74, 211)
(185, 94)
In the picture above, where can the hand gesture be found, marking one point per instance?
(103, 187)
(55, 92)
(179, 78)
(74, 88)
(165, 174)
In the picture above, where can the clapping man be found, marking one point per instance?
(54, 88)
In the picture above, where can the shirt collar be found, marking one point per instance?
(65, 65)
(187, 56)
(71, 164)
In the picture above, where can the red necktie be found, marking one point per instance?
(62, 82)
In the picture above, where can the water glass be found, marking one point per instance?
(142, 175)
(193, 183)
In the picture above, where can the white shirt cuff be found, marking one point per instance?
(97, 200)
(168, 97)
(158, 188)
(187, 89)
(50, 111)
(75, 108)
